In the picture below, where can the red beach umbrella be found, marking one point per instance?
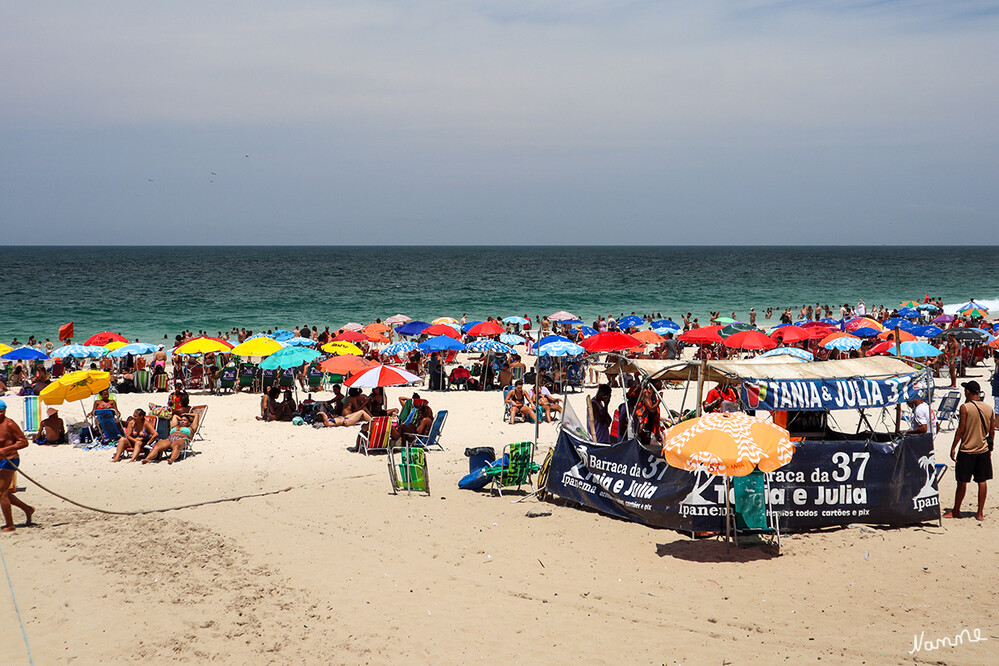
(346, 365)
(609, 341)
(101, 339)
(750, 340)
(442, 329)
(350, 336)
(790, 334)
(881, 348)
(382, 375)
(702, 336)
(486, 328)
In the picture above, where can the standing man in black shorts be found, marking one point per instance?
(971, 450)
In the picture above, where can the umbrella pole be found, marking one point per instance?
(700, 382)
(898, 407)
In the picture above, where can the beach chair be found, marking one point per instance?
(406, 411)
(196, 378)
(267, 380)
(143, 381)
(752, 513)
(433, 438)
(247, 376)
(32, 419)
(591, 424)
(200, 411)
(408, 469)
(574, 375)
(315, 378)
(518, 373)
(161, 382)
(515, 468)
(227, 379)
(377, 436)
(287, 379)
(947, 410)
(108, 428)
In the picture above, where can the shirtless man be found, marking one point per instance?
(12, 440)
(51, 430)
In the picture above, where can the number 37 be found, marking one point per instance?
(842, 461)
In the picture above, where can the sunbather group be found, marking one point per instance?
(139, 433)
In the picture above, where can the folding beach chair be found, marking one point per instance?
(287, 379)
(515, 467)
(314, 378)
(574, 375)
(161, 382)
(408, 471)
(196, 378)
(752, 513)
(247, 376)
(32, 419)
(517, 373)
(947, 410)
(143, 381)
(227, 379)
(200, 411)
(433, 438)
(377, 436)
(267, 380)
(406, 412)
(109, 430)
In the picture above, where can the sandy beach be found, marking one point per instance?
(337, 569)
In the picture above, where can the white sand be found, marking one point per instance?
(339, 570)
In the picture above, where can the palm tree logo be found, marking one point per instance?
(929, 465)
(700, 485)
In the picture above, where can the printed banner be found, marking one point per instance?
(827, 483)
(826, 394)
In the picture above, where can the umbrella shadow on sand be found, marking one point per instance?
(714, 550)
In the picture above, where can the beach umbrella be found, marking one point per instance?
(665, 323)
(351, 326)
(382, 375)
(731, 329)
(862, 322)
(908, 313)
(412, 328)
(896, 321)
(928, 307)
(375, 337)
(111, 346)
(283, 334)
(442, 329)
(629, 321)
(257, 347)
(701, 336)
(289, 357)
(831, 322)
(342, 348)
(486, 328)
(970, 305)
(793, 352)
(376, 327)
(560, 348)
(396, 348)
(4, 348)
(927, 331)
(609, 341)
(134, 348)
(346, 365)
(843, 343)
(512, 339)
(515, 320)
(943, 319)
(963, 334)
(489, 346)
(587, 331)
(649, 337)
(886, 347)
(468, 326)
(727, 444)
(903, 336)
(298, 341)
(444, 320)
(818, 324)
(76, 351)
(866, 332)
(980, 313)
(350, 336)
(909, 304)
(562, 315)
(397, 319)
(790, 334)
(918, 349)
(75, 386)
(750, 340)
(441, 343)
(725, 320)
(206, 345)
(551, 338)
(101, 339)
(25, 354)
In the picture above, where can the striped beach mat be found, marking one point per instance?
(32, 414)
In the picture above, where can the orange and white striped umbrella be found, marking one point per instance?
(727, 444)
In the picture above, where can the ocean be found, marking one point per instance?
(152, 293)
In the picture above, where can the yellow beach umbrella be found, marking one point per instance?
(203, 345)
(75, 386)
(4, 349)
(111, 346)
(340, 348)
(261, 346)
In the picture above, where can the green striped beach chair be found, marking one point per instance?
(32, 419)
(515, 468)
(408, 469)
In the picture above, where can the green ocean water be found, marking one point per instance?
(152, 292)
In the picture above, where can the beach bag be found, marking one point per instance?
(160, 411)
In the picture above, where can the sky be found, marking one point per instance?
(500, 122)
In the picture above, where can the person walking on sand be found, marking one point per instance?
(972, 449)
(12, 440)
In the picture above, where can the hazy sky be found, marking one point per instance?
(506, 121)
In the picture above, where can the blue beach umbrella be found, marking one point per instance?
(77, 351)
(402, 347)
(259, 335)
(467, 327)
(629, 321)
(908, 313)
(489, 346)
(587, 331)
(515, 320)
(552, 338)
(843, 344)
(441, 343)
(866, 332)
(560, 348)
(927, 307)
(927, 331)
(297, 341)
(829, 320)
(134, 348)
(795, 352)
(283, 334)
(511, 339)
(289, 357)
(412, 328)
(917, 349)
(25, 354)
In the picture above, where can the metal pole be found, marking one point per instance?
(898, 407)
(700, 382)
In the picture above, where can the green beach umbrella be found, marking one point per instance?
(289, 357)
(736, 327)
(725, 320)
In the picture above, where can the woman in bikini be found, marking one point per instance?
(178, 439)
(342, 421)
(137, 433)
